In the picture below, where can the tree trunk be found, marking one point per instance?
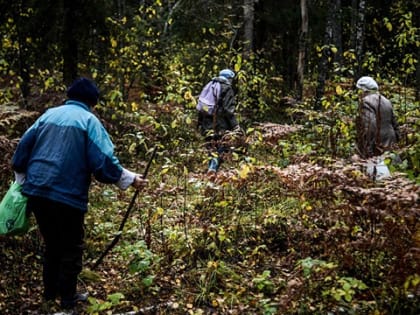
(248, 27)
(360, 32)
(302, 48)
(23, 55)
(353, 23)
(337, 33)
(326, 57)
(170, 14)
(121, 8)
(417, 80)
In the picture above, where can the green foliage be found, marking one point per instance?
(309, 265)
(141, 261)
(347, 288)
(258, 86)
(134, 51)
(210, 278)
(97, 306)
(263, 282)
(406, 35)
(322, 282)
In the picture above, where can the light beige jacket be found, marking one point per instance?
(377, 128)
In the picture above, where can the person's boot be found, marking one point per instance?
(71, 303)
(49, 307)
(213, 165)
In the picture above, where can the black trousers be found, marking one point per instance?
(61, 227)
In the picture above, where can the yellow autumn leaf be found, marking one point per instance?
(113, 42)
(164, 171)
(212, 264)
(245, 169)
(134, 106)
(193, 101)
(338, 90)
(188, 95)
(160, 211)
(132, 148)
(221, 204)
(47, 84)
(238, 63)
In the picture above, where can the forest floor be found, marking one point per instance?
(242, 242)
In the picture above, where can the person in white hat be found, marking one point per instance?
(376, 124)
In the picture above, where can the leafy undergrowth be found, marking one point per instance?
(261, 237)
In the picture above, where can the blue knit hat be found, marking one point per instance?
(83, 90)
(227, 73)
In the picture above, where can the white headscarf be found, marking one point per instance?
(367, 84)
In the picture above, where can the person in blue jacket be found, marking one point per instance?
(54, 162)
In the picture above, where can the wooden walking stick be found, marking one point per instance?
(133, 199)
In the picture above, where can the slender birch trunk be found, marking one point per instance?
(248, 27)
(302, 48)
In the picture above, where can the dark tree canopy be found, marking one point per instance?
(75, 37)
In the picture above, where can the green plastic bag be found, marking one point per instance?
(13, 218)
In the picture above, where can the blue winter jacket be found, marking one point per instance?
(60, 152)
